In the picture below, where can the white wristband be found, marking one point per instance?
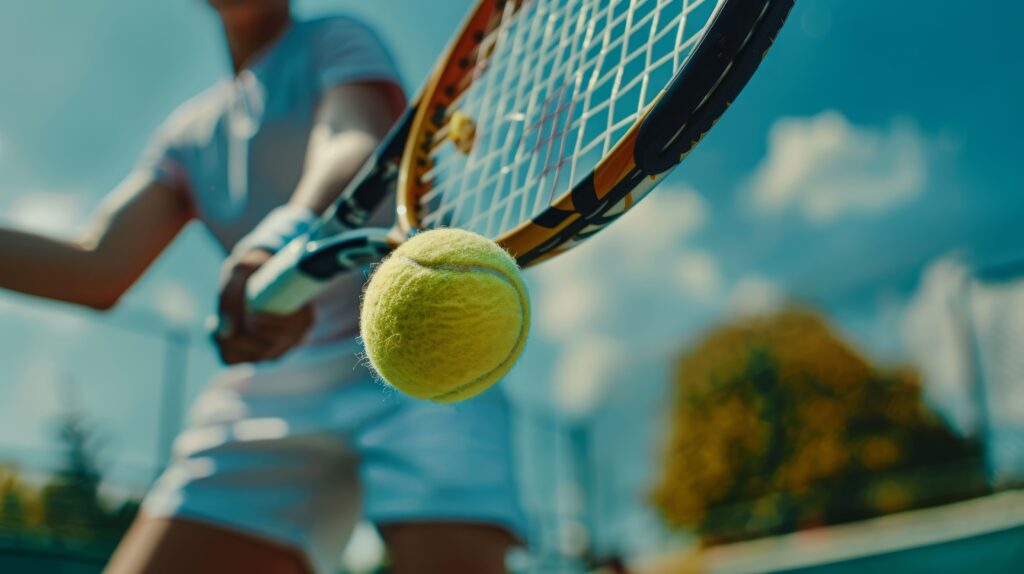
(277, 229)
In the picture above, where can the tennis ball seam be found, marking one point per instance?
(462, 269)
(523, 308)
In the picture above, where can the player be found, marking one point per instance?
(288, 443)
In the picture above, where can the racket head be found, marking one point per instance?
(546, 120)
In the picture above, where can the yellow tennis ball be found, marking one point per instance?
(445, 316)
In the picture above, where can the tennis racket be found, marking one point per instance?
(544, 121)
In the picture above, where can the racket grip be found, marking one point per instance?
(303, 269)
(280, 286)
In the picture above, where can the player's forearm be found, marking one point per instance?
(336, 162)
(54, 269)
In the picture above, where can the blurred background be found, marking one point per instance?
(804, 353)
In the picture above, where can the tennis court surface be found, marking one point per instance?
(983, 536)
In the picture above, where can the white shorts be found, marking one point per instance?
(295, 451)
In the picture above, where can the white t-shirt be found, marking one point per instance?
(238, 149)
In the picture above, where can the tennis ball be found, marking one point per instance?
(445, 315)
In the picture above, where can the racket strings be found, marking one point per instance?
(557, 85)
(544, 119)
(484, 100)
(531, 64)
(529, 67)
(556, 38)
(454, 107)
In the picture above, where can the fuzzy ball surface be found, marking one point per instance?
(445, 316)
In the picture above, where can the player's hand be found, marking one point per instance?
(248, 337)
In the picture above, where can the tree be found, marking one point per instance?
(71, 500)
(73, 509)
(12, 505)
(779, 424)
(20, 509)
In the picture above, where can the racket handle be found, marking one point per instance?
(279, 286)
(338, 243)
(303, 269)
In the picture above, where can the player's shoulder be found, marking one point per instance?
(196, 117)
(337, 29)
(333, 24)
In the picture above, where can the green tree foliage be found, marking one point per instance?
(72, 507)
(779, 424)
(13, 512)
(68, 512)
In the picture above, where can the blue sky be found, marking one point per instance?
(878, 139)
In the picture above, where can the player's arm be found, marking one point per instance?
(351, 119)
(95, 268)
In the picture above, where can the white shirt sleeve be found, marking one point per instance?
(346, 50)
(165, 157)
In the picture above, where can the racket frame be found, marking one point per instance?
(716, 70)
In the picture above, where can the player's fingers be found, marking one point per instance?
(229, 357)
(270, 336)
(300, 320)
(231, 306)
(287, 331)
(265, 337)
(283, 346)
(286, 342)
(266, 322)
(244, 348)
(228, 354)
(261, 337)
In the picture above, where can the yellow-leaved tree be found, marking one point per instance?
(778, 424)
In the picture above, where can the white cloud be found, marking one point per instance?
(636, 255)
(824, 168)
(31, 398)
(175, 303)
(561, 310)
(756, 295)
(58, 213)
(632, 288)
(665, 219)
(696, 273)
(584, 372)
(42, 380)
